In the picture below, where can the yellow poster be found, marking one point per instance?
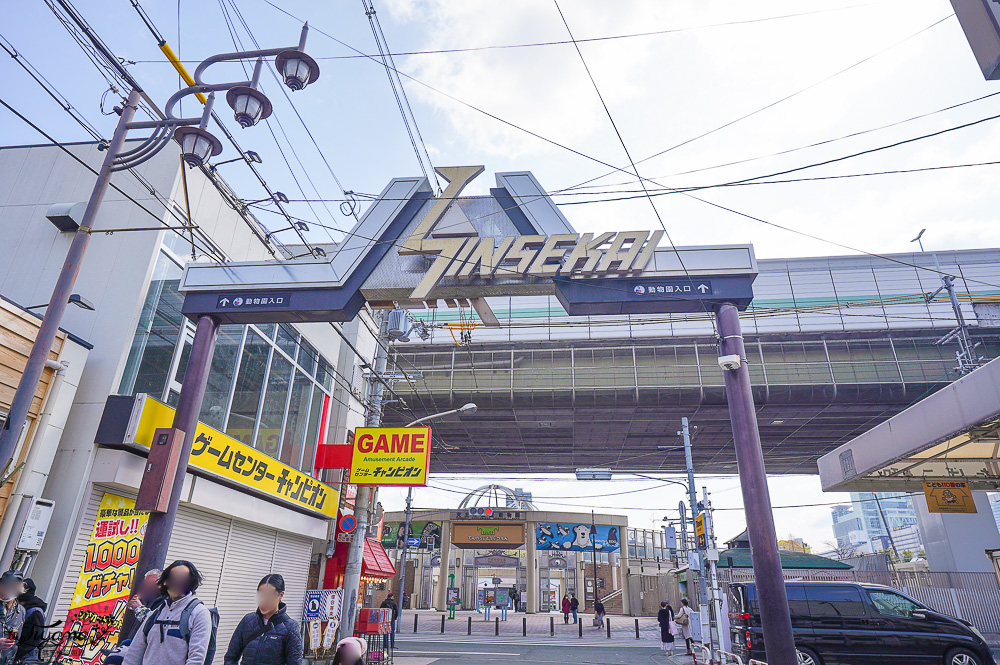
(949, 496)
(391, 456)
(224, 456)
(102, 589)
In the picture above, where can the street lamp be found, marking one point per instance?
(469, 408)
(74, 299)
(197, 146)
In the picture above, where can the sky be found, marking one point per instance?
(717, 87)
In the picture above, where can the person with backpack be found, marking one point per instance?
(267, 636)
(11, 614)
(33, 630)
(390, 604)
(182, 631)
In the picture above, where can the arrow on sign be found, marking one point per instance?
(703, 288)
(224, 302)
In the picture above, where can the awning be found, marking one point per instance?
(376, 562)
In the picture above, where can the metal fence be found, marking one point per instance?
(974, 597)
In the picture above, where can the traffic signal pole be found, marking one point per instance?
(775, 620)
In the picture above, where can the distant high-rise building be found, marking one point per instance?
(896, 513)
(519, 496)
(848, 530)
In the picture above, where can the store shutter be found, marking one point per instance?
(79, 549)
(291, 559)
(248, 558)
(200, 537)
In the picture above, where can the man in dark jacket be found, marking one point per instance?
(266, 642)
(390, 603)
(574, 607)
(33, 631)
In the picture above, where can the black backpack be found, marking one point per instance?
(184, 626)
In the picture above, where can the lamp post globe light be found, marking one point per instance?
(197, 146)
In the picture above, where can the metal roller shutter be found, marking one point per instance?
(248, 558)
(291, 559)
(200, 537)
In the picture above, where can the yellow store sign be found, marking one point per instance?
(391, 456)
(949, 496)
(225, 457)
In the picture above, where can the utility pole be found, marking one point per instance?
(593, 546)
(367, 495)
(776, 620)
(966, 354)
(685, 434)
(712, 574)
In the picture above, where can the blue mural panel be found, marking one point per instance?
(576, 537)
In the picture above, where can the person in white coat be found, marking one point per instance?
(683, 621)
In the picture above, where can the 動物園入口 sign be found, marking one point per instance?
(399, 456)
(487, 535)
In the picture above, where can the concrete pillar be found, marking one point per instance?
(623, 560)
(442, 589)
(531, 565)
(957, 542)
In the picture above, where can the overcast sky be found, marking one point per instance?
(802, 71)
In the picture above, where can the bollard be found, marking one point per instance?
(579, 625)
(497, 630)
(415, 617)
(552, 626)
(636, 629)
(524, 626)
(608, 623)
(470, 626)
(442, 624)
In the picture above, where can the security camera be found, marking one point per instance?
(729, 362)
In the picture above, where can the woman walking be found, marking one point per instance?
(683, 621)
(665, 617)
(268, 636)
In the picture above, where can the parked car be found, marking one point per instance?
(843, 623)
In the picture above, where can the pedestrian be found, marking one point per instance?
(390, 604)
(146, 599)
(599, 613)
(566, 608)
(683, 621)
(665, 617)
(267, 636)
(574, 606)
(33, 631)
(163, 639)
(11, 614)
(350, 651)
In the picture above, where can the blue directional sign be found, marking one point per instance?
(251, 300)
(651, 295)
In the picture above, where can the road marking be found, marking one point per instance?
(463, 653)
(550, 642)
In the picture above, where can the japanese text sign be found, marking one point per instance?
(225, 457)
(949, 496)
(391, 456)
(102, 589)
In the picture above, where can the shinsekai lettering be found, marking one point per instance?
(566, 254)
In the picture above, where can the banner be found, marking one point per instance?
(949, 496)
(225, 457)
(392, 534)
(102, 589)
(576, 537)
(487, 535)
(391, 456)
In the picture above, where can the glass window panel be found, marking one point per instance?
(160, 322)
(840, 601)
(249, 386)
(172, 398)
(220, 376)
(268, 329)
(295, 423)
(287, 340)
(312, 432)
(273, 408)
(324, 374)
(182, 363)
(307, 358)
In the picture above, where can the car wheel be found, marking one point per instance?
(806, 656)
(961, 656)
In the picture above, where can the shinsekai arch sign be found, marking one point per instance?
(413, 250)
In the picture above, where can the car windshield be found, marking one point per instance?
(893, 604)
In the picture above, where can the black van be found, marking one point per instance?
(842, 623)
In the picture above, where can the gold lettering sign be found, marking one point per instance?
(487, 535)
